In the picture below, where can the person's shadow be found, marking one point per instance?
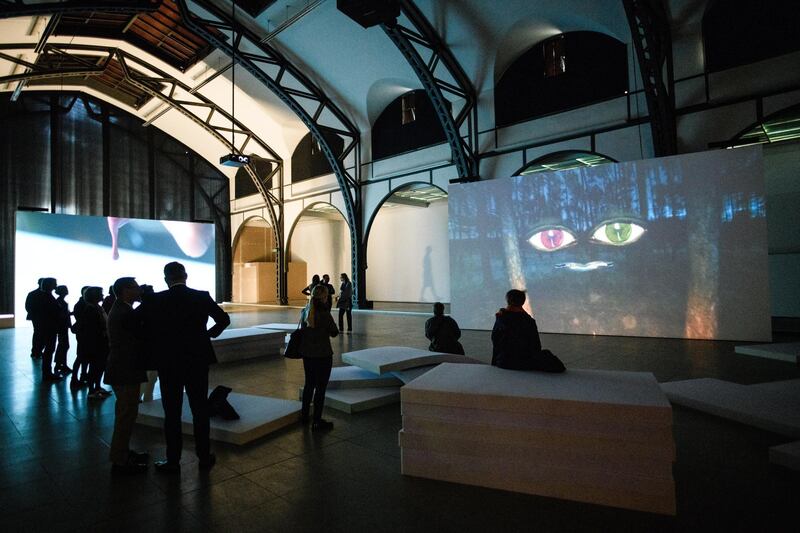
(427, 277)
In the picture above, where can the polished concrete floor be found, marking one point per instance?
(54, 471)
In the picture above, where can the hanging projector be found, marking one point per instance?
(234, 160)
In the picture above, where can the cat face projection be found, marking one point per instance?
(646, 248)
(621, 232)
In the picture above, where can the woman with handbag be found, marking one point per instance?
(315, 346)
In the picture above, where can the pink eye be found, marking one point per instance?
(551, 239)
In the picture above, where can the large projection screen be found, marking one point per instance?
(668, 247)
(94, 251)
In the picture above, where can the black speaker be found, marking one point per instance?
(370, 13)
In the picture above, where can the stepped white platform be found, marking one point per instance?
(355, 400)
(407, 376)
(786, 351)
(247, 343)
(787, 455)
(259, 416)
(353, 377)
(390, 358)
(586, 435)
(773, 406)
(276, 326)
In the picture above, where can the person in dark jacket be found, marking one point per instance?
(515, 339)
(92, 336)
(345, 303)
(314, 282)
(80, 366)
(108, 301)
(315, 347)
(443, 332)
(64, 325)
(175, 323)
(37, 347)
(125, 374)
(44, 313)
(326, 280)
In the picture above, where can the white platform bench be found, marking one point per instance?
(594, 436)
(786, 351)
(360, 399)
(787, 455)
(390, 358)
(259, 416)
(772, 406)
(247, 343)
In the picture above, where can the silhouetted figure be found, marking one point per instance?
(443, 332)
(315, 347)
(64, 326)
(515, 339)
(427, 275)
(314, 282)
(125, 373)
(345, 303)
(81, 365)
(92, 336)
(326, 281)
(44, 313)
(37, 346)
(108, 301)
(176, 320)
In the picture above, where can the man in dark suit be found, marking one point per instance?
(176, 322)
(36, 342)
(125, 373)
(43, 311)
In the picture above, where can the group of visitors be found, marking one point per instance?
(164, 336)
(515, 337)
(344, 302)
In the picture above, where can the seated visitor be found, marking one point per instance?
(515, 339)
(443, 332)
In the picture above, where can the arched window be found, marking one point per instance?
(308, 159)
(738, 32)
(781, 126)
(407, 124)
(566, 71)
(564, 161)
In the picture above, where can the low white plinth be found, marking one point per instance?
(355, 400)
(247, 343)
(770, 406)
(786, 351)
(390, 358)
(259, 416)
(787, 455)
(352, 377)
(407, 376)
(279, 327)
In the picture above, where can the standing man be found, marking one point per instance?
(176, 321)
(30, 302)
(43, 312)
(125, 374)
(62, 333)
(326, 281)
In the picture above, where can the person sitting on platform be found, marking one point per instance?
(515, 339)
(443, 332)
(125, 374)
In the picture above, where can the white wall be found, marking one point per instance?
(398, 241)
(322, 243)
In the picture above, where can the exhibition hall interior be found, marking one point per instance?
(399, 265)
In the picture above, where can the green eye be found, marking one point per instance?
(617, 233)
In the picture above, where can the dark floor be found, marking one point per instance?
(54, 471)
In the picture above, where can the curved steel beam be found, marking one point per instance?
(650, 32)
(21, 8)
(283, 79)
(424, 36)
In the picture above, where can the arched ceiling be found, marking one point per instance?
(359, 69)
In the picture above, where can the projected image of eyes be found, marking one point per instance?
(618, 233)
(551, 239)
